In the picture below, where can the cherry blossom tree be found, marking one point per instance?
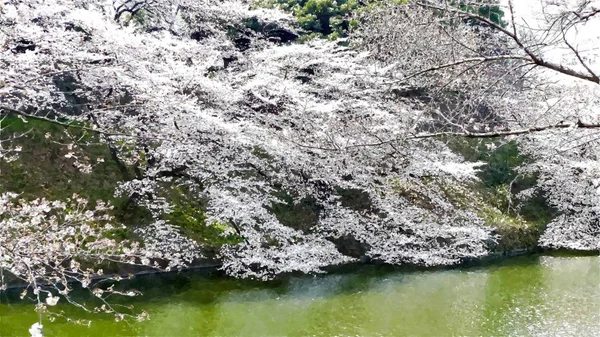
(216, 97)
(533, 80)
(56, 246)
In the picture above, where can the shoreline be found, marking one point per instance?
(487, 260)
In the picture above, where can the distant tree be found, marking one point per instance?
(483, 8)
(335, 18)
(332, 18)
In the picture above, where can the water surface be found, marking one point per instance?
(528, 296)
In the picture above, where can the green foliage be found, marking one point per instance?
(537, 210)
(412, 194)
(330, 18)
(139, 18)
(483, 9)
(259, 152)
(493, 205)
(333, 18)
(43, 169)
(518, 223)
(515, 232)
(502, 159)
(188, 214)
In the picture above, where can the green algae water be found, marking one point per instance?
(527, 296)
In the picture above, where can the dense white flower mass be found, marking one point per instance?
(534, 78)
(213, 96)
(240, 125)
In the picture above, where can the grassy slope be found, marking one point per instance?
(43, 171)
(519, 223)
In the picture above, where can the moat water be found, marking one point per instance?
(525, 296)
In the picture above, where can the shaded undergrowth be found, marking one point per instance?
(519, 221)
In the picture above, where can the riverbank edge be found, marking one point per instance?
(490, 259)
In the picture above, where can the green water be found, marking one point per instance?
(529, 296)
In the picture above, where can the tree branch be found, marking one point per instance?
(492, 134)
(533, 57)
(71, 125)
(587, 16)
(579, 58)
(466, 134)
(463, 61)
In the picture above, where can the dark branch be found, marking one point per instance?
(10, 110)
(465, 134)
(586, 16)
(128, 7)
(491, 134)
(579, 58)
(533, 57)
(463, 61)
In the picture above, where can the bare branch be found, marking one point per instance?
(533, 57)
(578, 55)
(73, 125)
(467, 134)
(463, 61)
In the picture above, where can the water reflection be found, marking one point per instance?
(533, 296)
(513, 297)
